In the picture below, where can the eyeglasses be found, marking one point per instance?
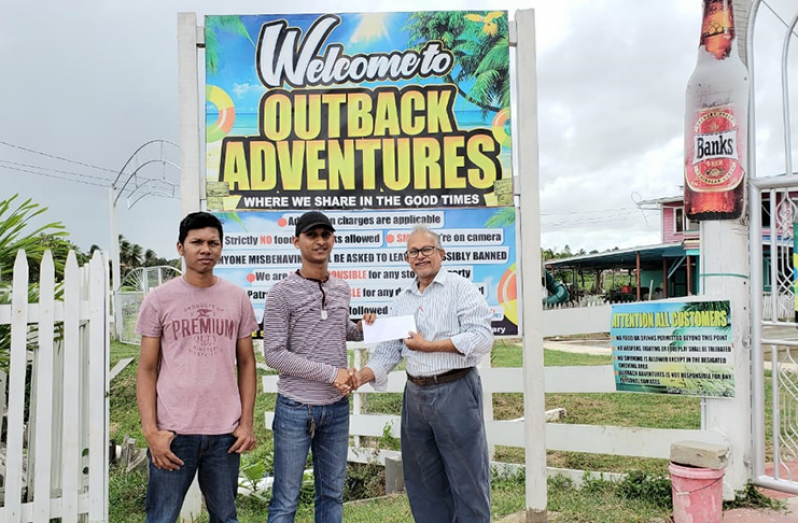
(426, 251)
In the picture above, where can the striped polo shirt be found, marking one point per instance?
(305, 328)
(450, 307)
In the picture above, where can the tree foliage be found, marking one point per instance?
(133, 256)
(215, 25)
(480, 47)
(16, 234)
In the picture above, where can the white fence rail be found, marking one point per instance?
(785, 306)
(55, 455)
(597, 439)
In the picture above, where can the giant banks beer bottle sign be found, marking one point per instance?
(357, 111)
(715, 121)
(716, 160)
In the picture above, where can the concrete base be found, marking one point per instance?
(522, 517)
(394, 476)
(700, 454)
(536, 516)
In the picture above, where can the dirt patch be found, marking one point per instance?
(508, 406)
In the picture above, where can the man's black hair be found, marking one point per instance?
(199, 220)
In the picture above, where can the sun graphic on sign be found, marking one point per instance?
(372, 27)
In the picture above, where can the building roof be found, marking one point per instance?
(660, 201)
(650, 256)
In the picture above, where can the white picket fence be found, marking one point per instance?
(597, 439)
(56, 460)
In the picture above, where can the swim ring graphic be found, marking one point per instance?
(508, 294)
(227, 113)
(501, 127)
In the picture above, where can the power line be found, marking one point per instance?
(603, 219)
(626, 210)
(68, 179)
(783, 22)
(48, 155)
(611, 219)
(55, 176)
(58, 157)
(84, 175)
(587, 212)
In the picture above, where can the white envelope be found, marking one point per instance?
(389, 328)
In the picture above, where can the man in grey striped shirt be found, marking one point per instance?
(305, 328)
(444, 447)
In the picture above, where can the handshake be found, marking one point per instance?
(349, 380)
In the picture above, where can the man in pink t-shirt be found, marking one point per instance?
(196, 410)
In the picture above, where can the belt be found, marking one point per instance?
(446, 377)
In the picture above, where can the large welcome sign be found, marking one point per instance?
(354, 111)
(386, 119)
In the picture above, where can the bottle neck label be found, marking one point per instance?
(717, 29)
(714, 164)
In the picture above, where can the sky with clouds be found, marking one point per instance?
(92, 80)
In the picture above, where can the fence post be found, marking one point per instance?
(98, 398)
(70, 443)
(16, 395)
(487, 405)
(529, 213)
(192, 504)
(42, 451)
(357, 397)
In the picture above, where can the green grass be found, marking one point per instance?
(507, 354)
(602, 505)
(626, 410)
(122, 350)
(599, 504)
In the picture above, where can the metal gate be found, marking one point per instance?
(774, 330)
(128, 297)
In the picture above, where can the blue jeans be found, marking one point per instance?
(330, 445)
(445, 452)
(218, 479)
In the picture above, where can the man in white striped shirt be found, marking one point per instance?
(444, 447)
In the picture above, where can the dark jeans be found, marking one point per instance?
(330, 445)
(445, 452)
(218, 479)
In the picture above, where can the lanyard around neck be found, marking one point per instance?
(321, 288)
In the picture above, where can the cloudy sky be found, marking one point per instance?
(92, 80)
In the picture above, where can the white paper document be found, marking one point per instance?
(389, 328)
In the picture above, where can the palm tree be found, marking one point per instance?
(230, 24)
(150, 258)
(502, 217)
(136, 255)
(125, 248)
(14, 235)
(481, 49)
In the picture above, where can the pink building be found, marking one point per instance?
(668, 269)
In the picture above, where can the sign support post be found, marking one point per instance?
(188, 75)
(528, 180)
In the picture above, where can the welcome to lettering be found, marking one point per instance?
(282, 58)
